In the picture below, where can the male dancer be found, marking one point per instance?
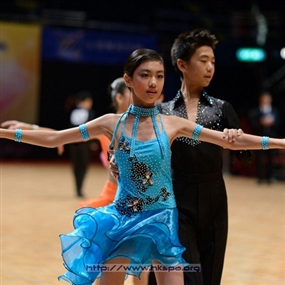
(197, 167)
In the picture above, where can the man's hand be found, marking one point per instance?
(232, 134)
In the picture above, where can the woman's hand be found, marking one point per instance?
(14, 124)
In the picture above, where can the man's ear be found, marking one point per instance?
(180, 64)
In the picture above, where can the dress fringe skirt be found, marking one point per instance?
(103, 234)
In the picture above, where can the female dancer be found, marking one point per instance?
(140, 226)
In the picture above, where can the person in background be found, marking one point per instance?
(264, 120)
(80, 153)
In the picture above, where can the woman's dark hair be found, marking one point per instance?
(138, 57)
(186, 44)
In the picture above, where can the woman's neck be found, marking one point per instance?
(142, 111)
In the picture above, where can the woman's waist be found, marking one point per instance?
(136, 201)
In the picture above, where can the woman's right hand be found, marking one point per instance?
(14, 124)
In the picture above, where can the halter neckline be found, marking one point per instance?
(143, 112)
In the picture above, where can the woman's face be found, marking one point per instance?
(147, 83)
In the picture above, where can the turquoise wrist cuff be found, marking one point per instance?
(84, 132)
(265, 143)
(197, 132)
(18, 135)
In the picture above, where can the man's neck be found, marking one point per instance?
(189, 93)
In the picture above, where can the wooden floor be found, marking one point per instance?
(38, 202)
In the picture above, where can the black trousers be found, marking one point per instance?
(203, 226)
(80, 157)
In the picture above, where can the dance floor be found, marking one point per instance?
(38, 201)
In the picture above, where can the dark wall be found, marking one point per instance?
(60, 80)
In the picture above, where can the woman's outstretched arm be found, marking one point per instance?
(14, 124)
(53, 138)
(241, 142)
(244, 141)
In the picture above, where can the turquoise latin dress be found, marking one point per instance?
(141, 224)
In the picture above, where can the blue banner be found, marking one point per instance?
(88, 46)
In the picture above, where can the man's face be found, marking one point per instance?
(200, 68)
